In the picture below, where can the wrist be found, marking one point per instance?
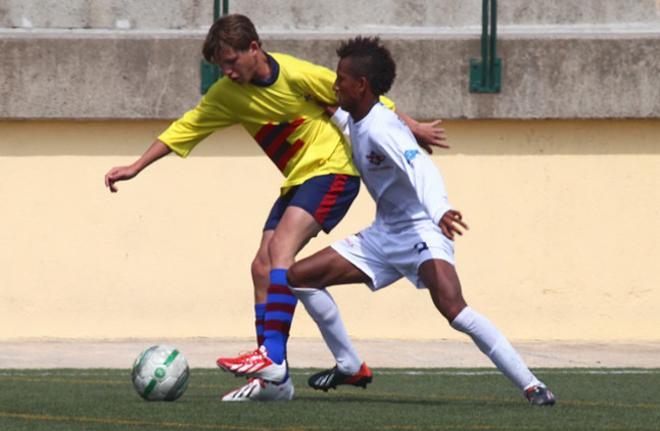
(135, 168)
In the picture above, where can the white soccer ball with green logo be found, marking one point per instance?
(160, 373)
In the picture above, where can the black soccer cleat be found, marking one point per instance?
(540, 396)
(330, 379)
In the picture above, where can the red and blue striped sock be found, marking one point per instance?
(259, 314)
(280, 305)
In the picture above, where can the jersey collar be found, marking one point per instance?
(275, 73)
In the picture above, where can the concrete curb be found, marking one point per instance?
(202, 352)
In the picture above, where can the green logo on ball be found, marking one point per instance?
(159, 373)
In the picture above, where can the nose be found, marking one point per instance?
(228, 71)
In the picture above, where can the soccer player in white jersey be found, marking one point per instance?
(411, 237)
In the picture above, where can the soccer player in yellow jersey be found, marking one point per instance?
(274, 96)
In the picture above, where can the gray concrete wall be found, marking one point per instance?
(140, 58)
(286, 15)
(106, 14)
(143, 76)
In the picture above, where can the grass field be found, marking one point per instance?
(398, 399)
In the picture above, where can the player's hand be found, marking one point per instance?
(430, 135)
(451, 223)
(121, 173)
(329, 109)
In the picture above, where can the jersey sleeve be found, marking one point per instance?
(316, 81)
(209, 115)
(340, 119)
(416, 169)
(389, 103)
(433, 194)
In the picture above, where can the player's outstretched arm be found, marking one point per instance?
(451, 223)
(157, 150)
(428, 135)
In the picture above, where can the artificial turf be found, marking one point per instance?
(398, 399)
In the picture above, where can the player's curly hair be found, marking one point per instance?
(369, 58)
(235, 31)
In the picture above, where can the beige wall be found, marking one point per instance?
(564, 239)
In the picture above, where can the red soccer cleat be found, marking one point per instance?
(254, 364)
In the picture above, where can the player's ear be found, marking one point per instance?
(254, 47)
(363, 84)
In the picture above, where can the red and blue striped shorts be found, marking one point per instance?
(326, 197)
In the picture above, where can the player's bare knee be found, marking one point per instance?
(260, 269)
(454, 310)
(449, 306)
(296, 276)
(446, 312)
(455, 304)
(281, 255)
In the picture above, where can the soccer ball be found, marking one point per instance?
(160, 373)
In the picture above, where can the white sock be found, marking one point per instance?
(492, 343)
(322, 308)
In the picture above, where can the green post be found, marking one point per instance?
(210, 72)
(486, 75)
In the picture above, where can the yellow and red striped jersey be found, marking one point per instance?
(282, 115)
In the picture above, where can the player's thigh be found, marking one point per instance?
(325, 268)
(367, 251)
(295, 229)
(441, 279)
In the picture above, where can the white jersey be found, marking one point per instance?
(410, 200)
(403, 181)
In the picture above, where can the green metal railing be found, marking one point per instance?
(210, 72)
(486, 75)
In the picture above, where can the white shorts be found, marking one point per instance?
(385, 257)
